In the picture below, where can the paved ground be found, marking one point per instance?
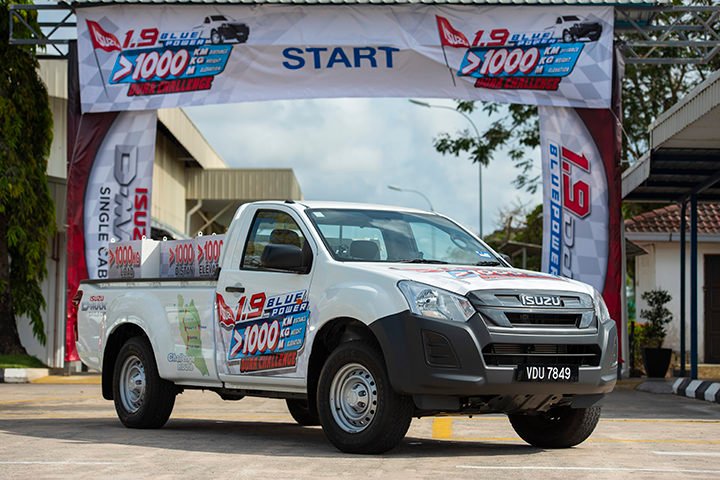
(55, 431)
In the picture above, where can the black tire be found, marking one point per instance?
(568, 37)
(302, 413)
(385, 425)
(562, 427)
(216, 37)
(151, 406)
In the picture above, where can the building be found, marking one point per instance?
(682, 167)
(658, 233)
(193, 191)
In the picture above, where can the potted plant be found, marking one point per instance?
(655, 358)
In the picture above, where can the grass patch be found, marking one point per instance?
(20, 361)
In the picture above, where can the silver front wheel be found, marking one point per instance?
(132, 384)
(353, 397)
(357, 407)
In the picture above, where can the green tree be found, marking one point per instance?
(26, 207)
(648, 90)
(519, 228)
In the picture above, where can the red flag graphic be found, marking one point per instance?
(449, 37)
(225, 313)
(102, 39)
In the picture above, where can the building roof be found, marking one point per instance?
(632, 3)
(667, 220)
(694, 118)
(684, 155)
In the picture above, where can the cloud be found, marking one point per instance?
(352, 149)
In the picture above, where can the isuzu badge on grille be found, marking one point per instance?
(541, 300)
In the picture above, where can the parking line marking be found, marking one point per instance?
(442, 427)
(594, 440)
(586, 469)
(481, 418)
(62, 462)
(689, 454)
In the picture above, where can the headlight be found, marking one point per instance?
(601, 311)
(432, 302)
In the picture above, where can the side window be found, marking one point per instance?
(558, 21)
(270, 226)
(207, 19)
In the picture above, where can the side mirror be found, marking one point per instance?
(507, 258)
(285, 257)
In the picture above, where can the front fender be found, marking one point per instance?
(362, 301)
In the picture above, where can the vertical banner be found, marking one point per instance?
(581, 200)
(119, 189)
(109, 192)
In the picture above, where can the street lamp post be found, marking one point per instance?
(398, 189)
(480, 166)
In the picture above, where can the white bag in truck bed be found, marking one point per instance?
(178, 259)
(134, 259)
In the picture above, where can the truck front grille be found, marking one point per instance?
(544, 319)
(534, 309)
(513, 354)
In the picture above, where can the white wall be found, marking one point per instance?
(57, 162)
(53, 289)
(168, 198)
(660, 268)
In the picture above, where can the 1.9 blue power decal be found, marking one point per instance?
(267, 332)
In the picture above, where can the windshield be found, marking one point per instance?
(382, 236)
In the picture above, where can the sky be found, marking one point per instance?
(352, 149)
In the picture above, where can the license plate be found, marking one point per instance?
(547, 373)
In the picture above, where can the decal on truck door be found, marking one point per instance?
(266, 332)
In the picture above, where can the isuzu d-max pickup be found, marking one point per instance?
(360, 317)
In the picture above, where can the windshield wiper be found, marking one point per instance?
(488, 263)
(424, 260)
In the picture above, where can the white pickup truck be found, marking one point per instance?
(361, 317)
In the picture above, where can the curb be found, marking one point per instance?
(22, 375)
(699, 389)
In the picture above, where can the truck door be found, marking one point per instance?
(263, 304)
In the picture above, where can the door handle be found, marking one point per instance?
(235, 289)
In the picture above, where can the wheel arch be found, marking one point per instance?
(331, 334)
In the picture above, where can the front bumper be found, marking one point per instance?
(419, 364)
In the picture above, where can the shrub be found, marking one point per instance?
(656, 317)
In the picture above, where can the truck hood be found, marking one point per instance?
(462, 279)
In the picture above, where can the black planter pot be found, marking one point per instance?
(656, 361)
